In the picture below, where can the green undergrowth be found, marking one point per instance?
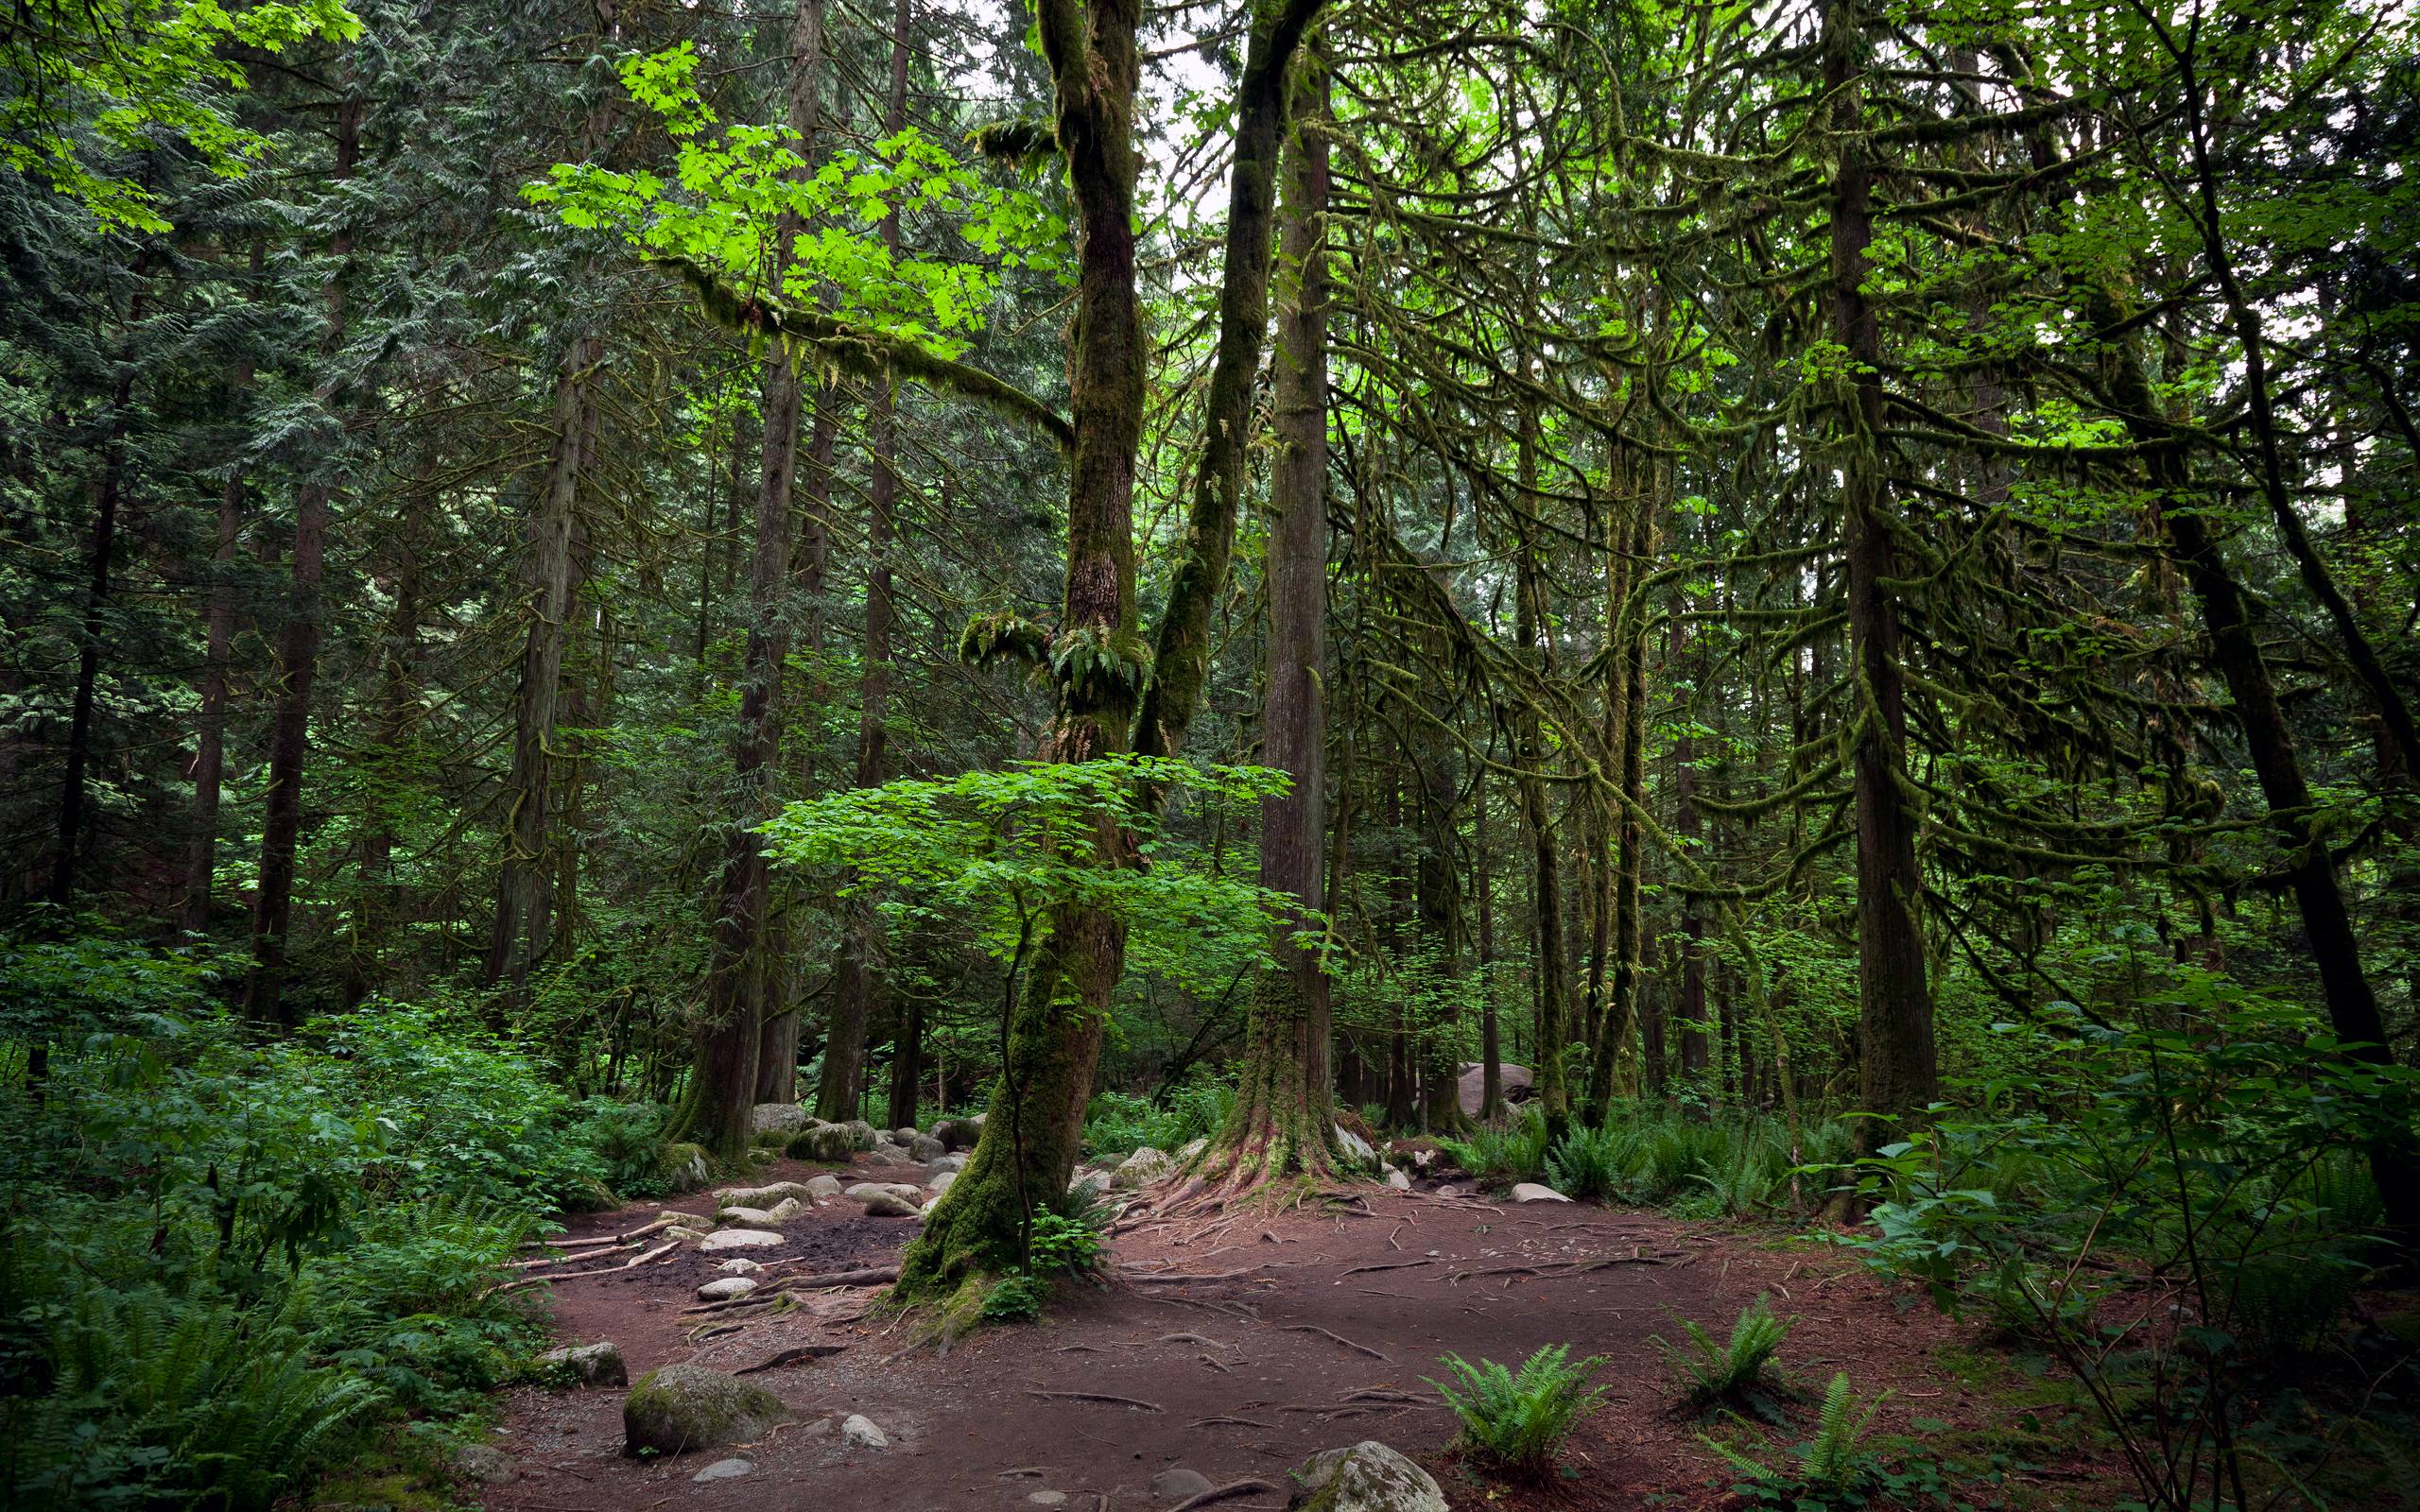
(1120, 1124)
(237, 1264)
(1691, 1165)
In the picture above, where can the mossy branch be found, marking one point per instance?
(861, 352)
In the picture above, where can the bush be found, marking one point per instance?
(1516, 1423)
(1587, 1164)
(1117, 1123)
(1732, 1371)
(1832, 1466)
(1502, 1155)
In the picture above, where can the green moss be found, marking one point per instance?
(683, 1407)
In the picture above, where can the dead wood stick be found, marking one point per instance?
(790, 1356)
(1240, 1422)
(1103, 1396)
(1221, 1493)
(631, 1263)
(1185, 1276)
(1358, 1349)
(1393, 1264)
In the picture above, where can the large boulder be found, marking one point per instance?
(863, 1132)
(789, 1118)
(1368, 1477)
(1356, 1149)
(682, 1167)
(958, 1133)
(831, 1144)
(587, 1364)
(1517, 1082)
(683, 1407)
(1141, 1169)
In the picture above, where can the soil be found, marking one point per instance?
(1237, 1347)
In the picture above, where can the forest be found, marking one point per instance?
(1251, 753)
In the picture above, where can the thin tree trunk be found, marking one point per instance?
(107, 492)
(297, 660)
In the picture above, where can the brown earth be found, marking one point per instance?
(1236, 1348)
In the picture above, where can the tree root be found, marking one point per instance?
(1221, 1493)
(1094, 1396)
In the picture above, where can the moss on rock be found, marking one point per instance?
(682, 1407)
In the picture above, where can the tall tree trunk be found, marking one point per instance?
(854, 981)
(1491, 1035)
(1688, 1009)
(209, 769)
(1545, 889)
(729, 1046)
(1627, 693)
(1897, 1075)
(299, 656)
(1035, 1127)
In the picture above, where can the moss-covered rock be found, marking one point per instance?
(683, 1407)
(1368, 1477)
(684, 1167)
(831, 1144)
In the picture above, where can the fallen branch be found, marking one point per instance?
(1185, 1275)
(1094, 1396)
(1393, 1264)
(1358, 1349)
(1221, 1493)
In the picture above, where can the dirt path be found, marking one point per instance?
(1241, 1347)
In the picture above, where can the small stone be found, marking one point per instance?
(1176, 1483)
(724, 1469)
(1532, 1192)
(925, 1149)
(739, 1265)
(1191, 1150)
(726, 1289)
(683, 1233)
(1449, 1190)
(864, 1190)
(785, 1209)
(941, 1183)
(888, 1155)
(1398, 1180)
(823, 1188)
(590, 1365)
(486, 1463)
(859, 1430)
(746, 1217)
(950, 1162)
(1045, 1498)
(722, 1239)
(958, 1133)
(905, 1134)
(885, 1205)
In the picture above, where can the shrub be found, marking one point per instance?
(1067, 1245)
(1831, 1465)
(1505, 1154)
(1118, 1124)
(1015, 1297)
(1732, 1371)
(1587, 1164)
(1516, 1423)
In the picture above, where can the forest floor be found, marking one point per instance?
(1297, 1330)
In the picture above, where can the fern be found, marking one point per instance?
(1831, 1464)
(1516, 1423)
(1732, 1371)
(1587, 1164)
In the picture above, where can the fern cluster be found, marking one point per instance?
(1515, 1422)
(1831, 1464)
(1731, 1370)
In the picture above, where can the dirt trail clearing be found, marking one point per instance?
(1314, 1328)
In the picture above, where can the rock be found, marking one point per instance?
(726, 1289)
(905, 1134)
(1086, 1186)
(888, 1155)
(958, 1133)
(1517, 1085)
(724, 1469)
(1449, 1190)
(767, 1196)
(770, 1138)
(590, 1365)
(950, 1162)
(683, 1407)
(587, 1194)
(863, 1191)
(487, 1463)
(925, 1149)
(1356, 1149)
(747, 1218)
(788, 1117)
(722, 1239)
(739, 1265)
(1192, 1151)
(863, 1132)
(859, 1430)
(823, 1188)
(1368, 1477)
(1140, 1169)
(885, 1205)
(763, 1157)
(683, 1233)
(830, 1144)
(1045, 1498)
(1532, 1192)
(788, 1209)
(1398, 1180)
(1176, 1483)
(684, 1167)
(941, 1183)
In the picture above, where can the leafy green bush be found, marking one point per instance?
(1832, 1466)
(1502, 1154)
(1515, 1422)
(1587, 1164)
(1068, 1246)
(1733, 1370)
(1117, 1123)
(1015, 1297)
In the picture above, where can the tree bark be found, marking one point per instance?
(1897, 1075)
(298, 658)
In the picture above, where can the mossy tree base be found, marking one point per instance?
(1284, 1124)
